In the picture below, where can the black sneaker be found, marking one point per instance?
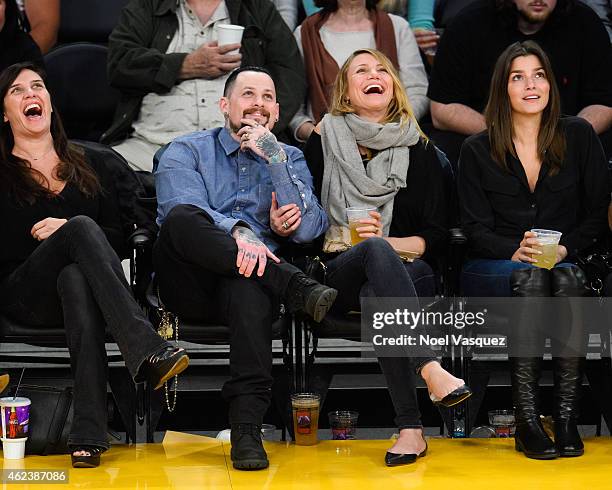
(307, 295)
(247, 451)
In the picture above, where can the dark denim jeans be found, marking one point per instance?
(491, 277)
(373, 269)
(74, 277)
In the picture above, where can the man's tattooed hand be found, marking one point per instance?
(261, 141)
(251, 251)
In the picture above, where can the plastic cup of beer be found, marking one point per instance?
(229, 34)
(353, 215)
(549, 242)
(305, 407)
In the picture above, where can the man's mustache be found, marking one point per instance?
(262, 111)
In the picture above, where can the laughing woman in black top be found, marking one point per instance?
(532, 169)
(370, 151)
(57, 263)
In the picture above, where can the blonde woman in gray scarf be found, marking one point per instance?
(370, 152)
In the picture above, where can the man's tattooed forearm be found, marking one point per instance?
(271, 149)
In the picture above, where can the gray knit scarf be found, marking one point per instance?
(345, 180)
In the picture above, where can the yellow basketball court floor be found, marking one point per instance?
(184, 461)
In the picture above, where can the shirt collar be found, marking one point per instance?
(229, 144)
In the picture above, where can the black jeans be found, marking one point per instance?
(74, 277)
(373, 269)
(198, 279)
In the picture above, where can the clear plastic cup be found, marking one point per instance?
(549, 242)
(305, 407)
(503, 422)
(343, 424)
(353, 215)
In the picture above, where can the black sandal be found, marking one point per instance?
(90, 461)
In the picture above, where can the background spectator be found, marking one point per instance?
(164, 58)
(43, 19)
(570, 33)
(326, 40)
(603, 8)
(15, 44)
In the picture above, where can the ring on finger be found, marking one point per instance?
(285, 225)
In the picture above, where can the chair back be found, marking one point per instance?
(88, 20)
(77, 81)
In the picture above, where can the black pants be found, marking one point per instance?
(198, 279)
(74, 277)
(373, 269)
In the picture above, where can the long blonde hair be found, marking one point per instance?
(399, 110)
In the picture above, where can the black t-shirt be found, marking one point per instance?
(577, 45)
(17, 220)
(497, 206)
(419, 209)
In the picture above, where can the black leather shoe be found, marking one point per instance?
(394, 459)
(307, 295)
(169, 361)
(453, 398)
(247, 451)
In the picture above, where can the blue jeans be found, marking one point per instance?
(373, 269)
(491, 277)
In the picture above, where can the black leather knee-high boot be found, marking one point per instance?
(530, 436)
(568, 282)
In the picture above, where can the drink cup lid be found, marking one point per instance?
(9, 401)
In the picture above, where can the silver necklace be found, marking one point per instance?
(40, 157)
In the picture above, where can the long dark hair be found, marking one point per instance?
(498, 112)
(17, 177)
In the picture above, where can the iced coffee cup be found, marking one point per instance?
(15, 416)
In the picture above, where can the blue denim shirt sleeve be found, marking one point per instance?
(178, 181)
(293, 184)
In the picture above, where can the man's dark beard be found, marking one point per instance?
(534, 20)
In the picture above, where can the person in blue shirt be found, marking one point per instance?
(227, 199)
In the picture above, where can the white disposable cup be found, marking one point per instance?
(13, 448)
(229, 34)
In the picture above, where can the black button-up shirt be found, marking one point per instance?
(498, 207)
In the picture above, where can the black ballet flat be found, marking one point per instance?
(165, 364)
(394, 459)
(453, 398)
(91, 461)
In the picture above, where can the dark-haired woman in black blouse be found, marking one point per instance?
(533, 169)
(58, 263)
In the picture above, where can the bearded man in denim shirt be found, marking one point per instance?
(227, 197)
